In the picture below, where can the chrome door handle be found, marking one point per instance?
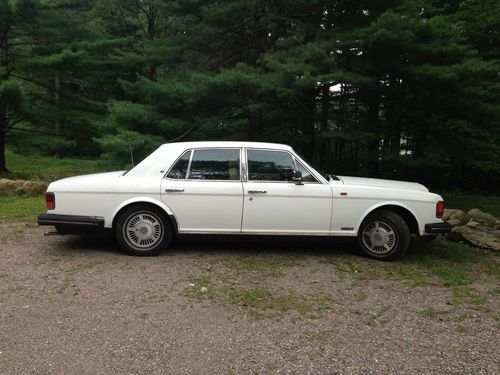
(257, 191)
(174, 190)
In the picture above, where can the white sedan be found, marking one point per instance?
(241, 188)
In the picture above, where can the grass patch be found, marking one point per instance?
(21, 208)
(489, 204)
(81, 267)
(429, 312)
(46, 168)
(203, 288)
(426, 263)
(453, 263)
(261, 298)
(267, 264)
(469, 296)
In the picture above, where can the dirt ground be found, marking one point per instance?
(76, 305)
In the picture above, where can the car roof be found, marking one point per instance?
(210, 144)
(171, 151)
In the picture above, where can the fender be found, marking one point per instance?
(140, 199)
(382, 204)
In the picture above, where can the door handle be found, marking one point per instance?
(174, 190)
(257, 192)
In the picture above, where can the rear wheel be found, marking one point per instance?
(143, 230)
(384, 235)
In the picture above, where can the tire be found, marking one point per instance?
(143, 230)
(383, 235)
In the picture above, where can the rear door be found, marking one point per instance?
(204, 190)
(274, 204)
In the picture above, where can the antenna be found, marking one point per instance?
(131, 153)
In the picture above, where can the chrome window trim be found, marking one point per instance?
(310, 172)
(186, 177)
(175, 162)
(294, 159)
(192, 150)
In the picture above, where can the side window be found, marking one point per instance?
(306, 176)
(269, 165)
(215, 164)
(179, 170)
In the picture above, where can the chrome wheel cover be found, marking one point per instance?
(143, 230)
(379, 237)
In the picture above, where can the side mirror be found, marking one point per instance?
(296, 177)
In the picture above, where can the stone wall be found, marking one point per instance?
(475, 227)
(22, 187)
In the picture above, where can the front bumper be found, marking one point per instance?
(67, 224)
(436, 228)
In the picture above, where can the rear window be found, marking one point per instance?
(215, 164)
(179, 170)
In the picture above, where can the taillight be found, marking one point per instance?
(50, 200)
(439, 209)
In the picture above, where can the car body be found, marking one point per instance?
(241, 188)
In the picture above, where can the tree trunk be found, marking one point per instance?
(254, 125)
(309, 102)
(3, 165)
(323, 125)
(57, 99)
(373, 145)
(3, 136)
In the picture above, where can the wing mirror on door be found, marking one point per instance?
(296, 176)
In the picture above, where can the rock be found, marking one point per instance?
(473, 224)
(447, 213)
(483, 217)
(454, 222)
(481, 236)
(459, 215)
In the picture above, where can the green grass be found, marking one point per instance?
(489, 204)
(429, 312)
(267, 264)
(21, 208)
(46, 168)
(426, 263)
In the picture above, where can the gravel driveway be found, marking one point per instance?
(75, 305)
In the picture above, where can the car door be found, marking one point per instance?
(204, 190)
(274, 204)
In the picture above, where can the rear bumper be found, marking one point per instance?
(67, 224)
(436, 228)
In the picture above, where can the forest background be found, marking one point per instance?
(405, 89)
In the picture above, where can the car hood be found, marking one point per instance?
(377, 182)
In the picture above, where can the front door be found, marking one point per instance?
(274, 204)
(204, 191)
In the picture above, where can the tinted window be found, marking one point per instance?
(269, 165)
(306, 176)
(216, 164)
(179, 170)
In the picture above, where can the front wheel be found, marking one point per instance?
(384, 235)
(143, 230)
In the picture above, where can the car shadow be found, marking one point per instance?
(222, 244)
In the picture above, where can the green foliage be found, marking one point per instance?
(465, 202)
(37, 167)
(122, 146)
(21, 208)
(400, 89)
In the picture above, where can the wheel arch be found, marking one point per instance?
(147, 201)
(406, 213)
